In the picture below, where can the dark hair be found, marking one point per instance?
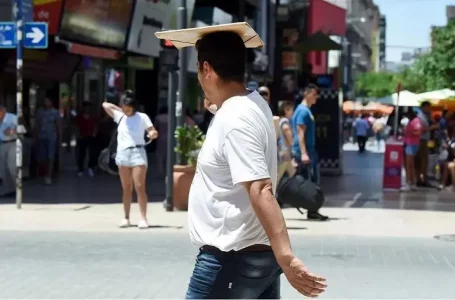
(412, 114)
(225, 52)
(282, 109)
(309, 88)
(163, 110)
(425, 104)
(128, 99)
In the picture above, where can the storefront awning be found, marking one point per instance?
(318, 41)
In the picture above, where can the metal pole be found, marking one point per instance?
(169, 201)
(395, 121)
(19, 62)
(183, 57)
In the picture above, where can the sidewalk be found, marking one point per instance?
(360, 186)
(345, 221)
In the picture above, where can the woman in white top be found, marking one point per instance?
(131, 157)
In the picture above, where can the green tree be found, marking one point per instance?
(375, 84)
(412, 79)
(438, 66)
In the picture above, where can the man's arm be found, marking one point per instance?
(301, 133)
(245, 153)
(269, 214)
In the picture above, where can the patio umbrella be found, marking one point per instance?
(406, 99)
(438, 95)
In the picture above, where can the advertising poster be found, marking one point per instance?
(100, 23)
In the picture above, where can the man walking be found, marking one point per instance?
(233, 215)
(304, 147)
(362, 128)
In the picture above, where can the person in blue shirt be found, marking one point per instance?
(362, 128)
(304, 146)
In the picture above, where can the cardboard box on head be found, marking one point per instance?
(188, 37)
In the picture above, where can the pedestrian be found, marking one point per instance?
(234, 218)
(86, 125)
(131, 157)
(8, 136)
(412, 134)
(362, 129)
(48, 132)
(422, 156)
(304, 144)
(285, 139)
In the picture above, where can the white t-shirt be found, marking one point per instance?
(240, 146)
(131, 130)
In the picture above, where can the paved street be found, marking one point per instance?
(64, 243)
(154, 264)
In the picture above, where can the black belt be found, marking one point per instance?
(7, 142)
(137, 146)
(253, 248)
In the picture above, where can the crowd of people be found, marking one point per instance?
(427, 136)
(365, 126)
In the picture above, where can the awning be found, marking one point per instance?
(318, 41)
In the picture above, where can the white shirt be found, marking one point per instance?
(9, 122)
(131, 130)
(240, 146)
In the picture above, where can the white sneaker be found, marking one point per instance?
(91, 173)
(405, 188)
(125, 223)
(48, 181)
(143, 224)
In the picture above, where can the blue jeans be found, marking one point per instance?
(235, 275)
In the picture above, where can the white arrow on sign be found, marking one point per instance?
(37, 35)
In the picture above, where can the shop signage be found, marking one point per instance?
(148, 18)
(48, 11)
(100, 23)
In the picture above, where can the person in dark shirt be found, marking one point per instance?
(86, 125)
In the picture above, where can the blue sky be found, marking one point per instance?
(409, 23)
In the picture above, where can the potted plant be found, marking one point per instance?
(189, 140)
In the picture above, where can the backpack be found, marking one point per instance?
(300, 192)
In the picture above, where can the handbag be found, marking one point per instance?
(106, 160)
(300, 192)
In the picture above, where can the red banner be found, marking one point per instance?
(48, 11)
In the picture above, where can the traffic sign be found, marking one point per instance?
(7, 35)
(36, 35)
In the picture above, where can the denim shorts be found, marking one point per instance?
(131, 157)
(47, 149)
(411, 149)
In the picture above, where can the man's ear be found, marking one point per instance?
(207, 70)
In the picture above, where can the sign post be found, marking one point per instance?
(19, 35)
(397, 108)
(20, 119)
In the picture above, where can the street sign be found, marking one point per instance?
(7, 35)
(36, 35)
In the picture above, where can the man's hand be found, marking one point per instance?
(152, 134)
(305, 159)
(303, 281)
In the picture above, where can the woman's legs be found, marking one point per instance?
(412, 178)
(139, 174)
(126, 179)
(451, 169)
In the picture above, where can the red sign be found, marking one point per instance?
(48, 11)
(393, 164)
(93, 51)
